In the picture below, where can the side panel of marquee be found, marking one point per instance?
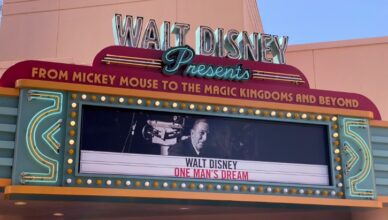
(40, 138)
(46, 141)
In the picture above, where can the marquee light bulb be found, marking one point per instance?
(58, 214)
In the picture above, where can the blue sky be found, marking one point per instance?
(310, 21)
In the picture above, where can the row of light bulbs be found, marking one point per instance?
(201, 186)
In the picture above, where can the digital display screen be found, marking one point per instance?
(121, 141)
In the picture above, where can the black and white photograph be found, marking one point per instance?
(139, 142)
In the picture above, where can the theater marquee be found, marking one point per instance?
(175, 124)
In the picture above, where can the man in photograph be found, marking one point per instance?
(195, 145)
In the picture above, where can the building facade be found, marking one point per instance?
(73, 32)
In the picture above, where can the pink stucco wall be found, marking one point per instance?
(73, 31)
(358, 66)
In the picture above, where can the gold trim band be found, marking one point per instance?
(383, 199)
(158, 194)
(376, 123)
(9, 91)
(22, 83)
(5, 182)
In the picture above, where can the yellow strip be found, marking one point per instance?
(5, 182)
(276, 73)
(158, 194)
(278, 79)
(376, 123)
(383, 199)
(9, 91)
(22, 83)
(135, 58)
(132, 64)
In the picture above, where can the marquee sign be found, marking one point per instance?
(175, 121)
(220, 43)
(118, 66)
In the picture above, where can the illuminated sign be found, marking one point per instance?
(172, 121)
(119, 67)
(220, 43)
(178, 57)
(125, 141)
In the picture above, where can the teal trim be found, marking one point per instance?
(7, 144)
(9, 101)
(8, 111)
(379, 139)
(7, 136)
(382, 181)
(5, 172)
(381, 167)
(380, 153)
(8, 118)
(377, 131)
(6, 153)
(7, 128)
(6, 161)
